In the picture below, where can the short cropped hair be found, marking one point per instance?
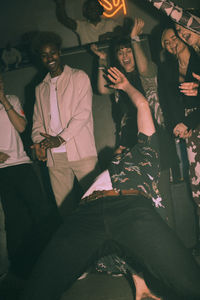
(87, 3)
(46, 38)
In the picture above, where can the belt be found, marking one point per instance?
(110, 193)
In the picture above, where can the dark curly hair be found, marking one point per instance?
(45, 38)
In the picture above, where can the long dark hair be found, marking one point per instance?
(119, 43)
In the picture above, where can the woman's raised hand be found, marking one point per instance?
(100, 53)
(137, 28)
(118, 79)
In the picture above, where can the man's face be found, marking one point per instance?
(172, 43)
(188, 36)
(126, 59)
(93, 12)
(50, 56)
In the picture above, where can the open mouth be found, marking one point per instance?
(51, 64)
(126, 62)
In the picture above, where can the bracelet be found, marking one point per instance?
(101, 68)
(136, 38)
(9, 108)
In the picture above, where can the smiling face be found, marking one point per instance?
(50, 56)
(171, 42)
(188, 36)
(126, 59)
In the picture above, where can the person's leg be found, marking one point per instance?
(142, 290)
(29, 214)
(61, 177)
(150, 242)
(72, 249)
(17, 221)
(30, 190)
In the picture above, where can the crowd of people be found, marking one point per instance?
(123, 222)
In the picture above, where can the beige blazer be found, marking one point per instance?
(74, 94)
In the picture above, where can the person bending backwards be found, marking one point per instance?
(117, 211)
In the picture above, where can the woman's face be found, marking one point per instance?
(126, 59)
(172, 43)
(188, 36)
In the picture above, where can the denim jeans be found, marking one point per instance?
(134, 228)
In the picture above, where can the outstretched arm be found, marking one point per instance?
(101, 80)
(144, 117)
(63, 17)
(145, 66)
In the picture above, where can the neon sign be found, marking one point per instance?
(112, 7)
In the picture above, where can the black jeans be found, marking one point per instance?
(130, 223)
(30, 217)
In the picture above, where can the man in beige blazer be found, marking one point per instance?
(62, 122)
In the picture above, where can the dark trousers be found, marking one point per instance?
(30, 217)
(134, 227)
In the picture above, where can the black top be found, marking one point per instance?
(174, 103)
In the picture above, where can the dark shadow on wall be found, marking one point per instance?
(29, 102)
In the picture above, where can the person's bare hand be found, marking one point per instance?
(3, 157)
(118, 79)
(100, 53)
(187, 134)
(50, 141)
(181, 131)
(196, 76)
(190, 88)
(40, 153)
(137, 28)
